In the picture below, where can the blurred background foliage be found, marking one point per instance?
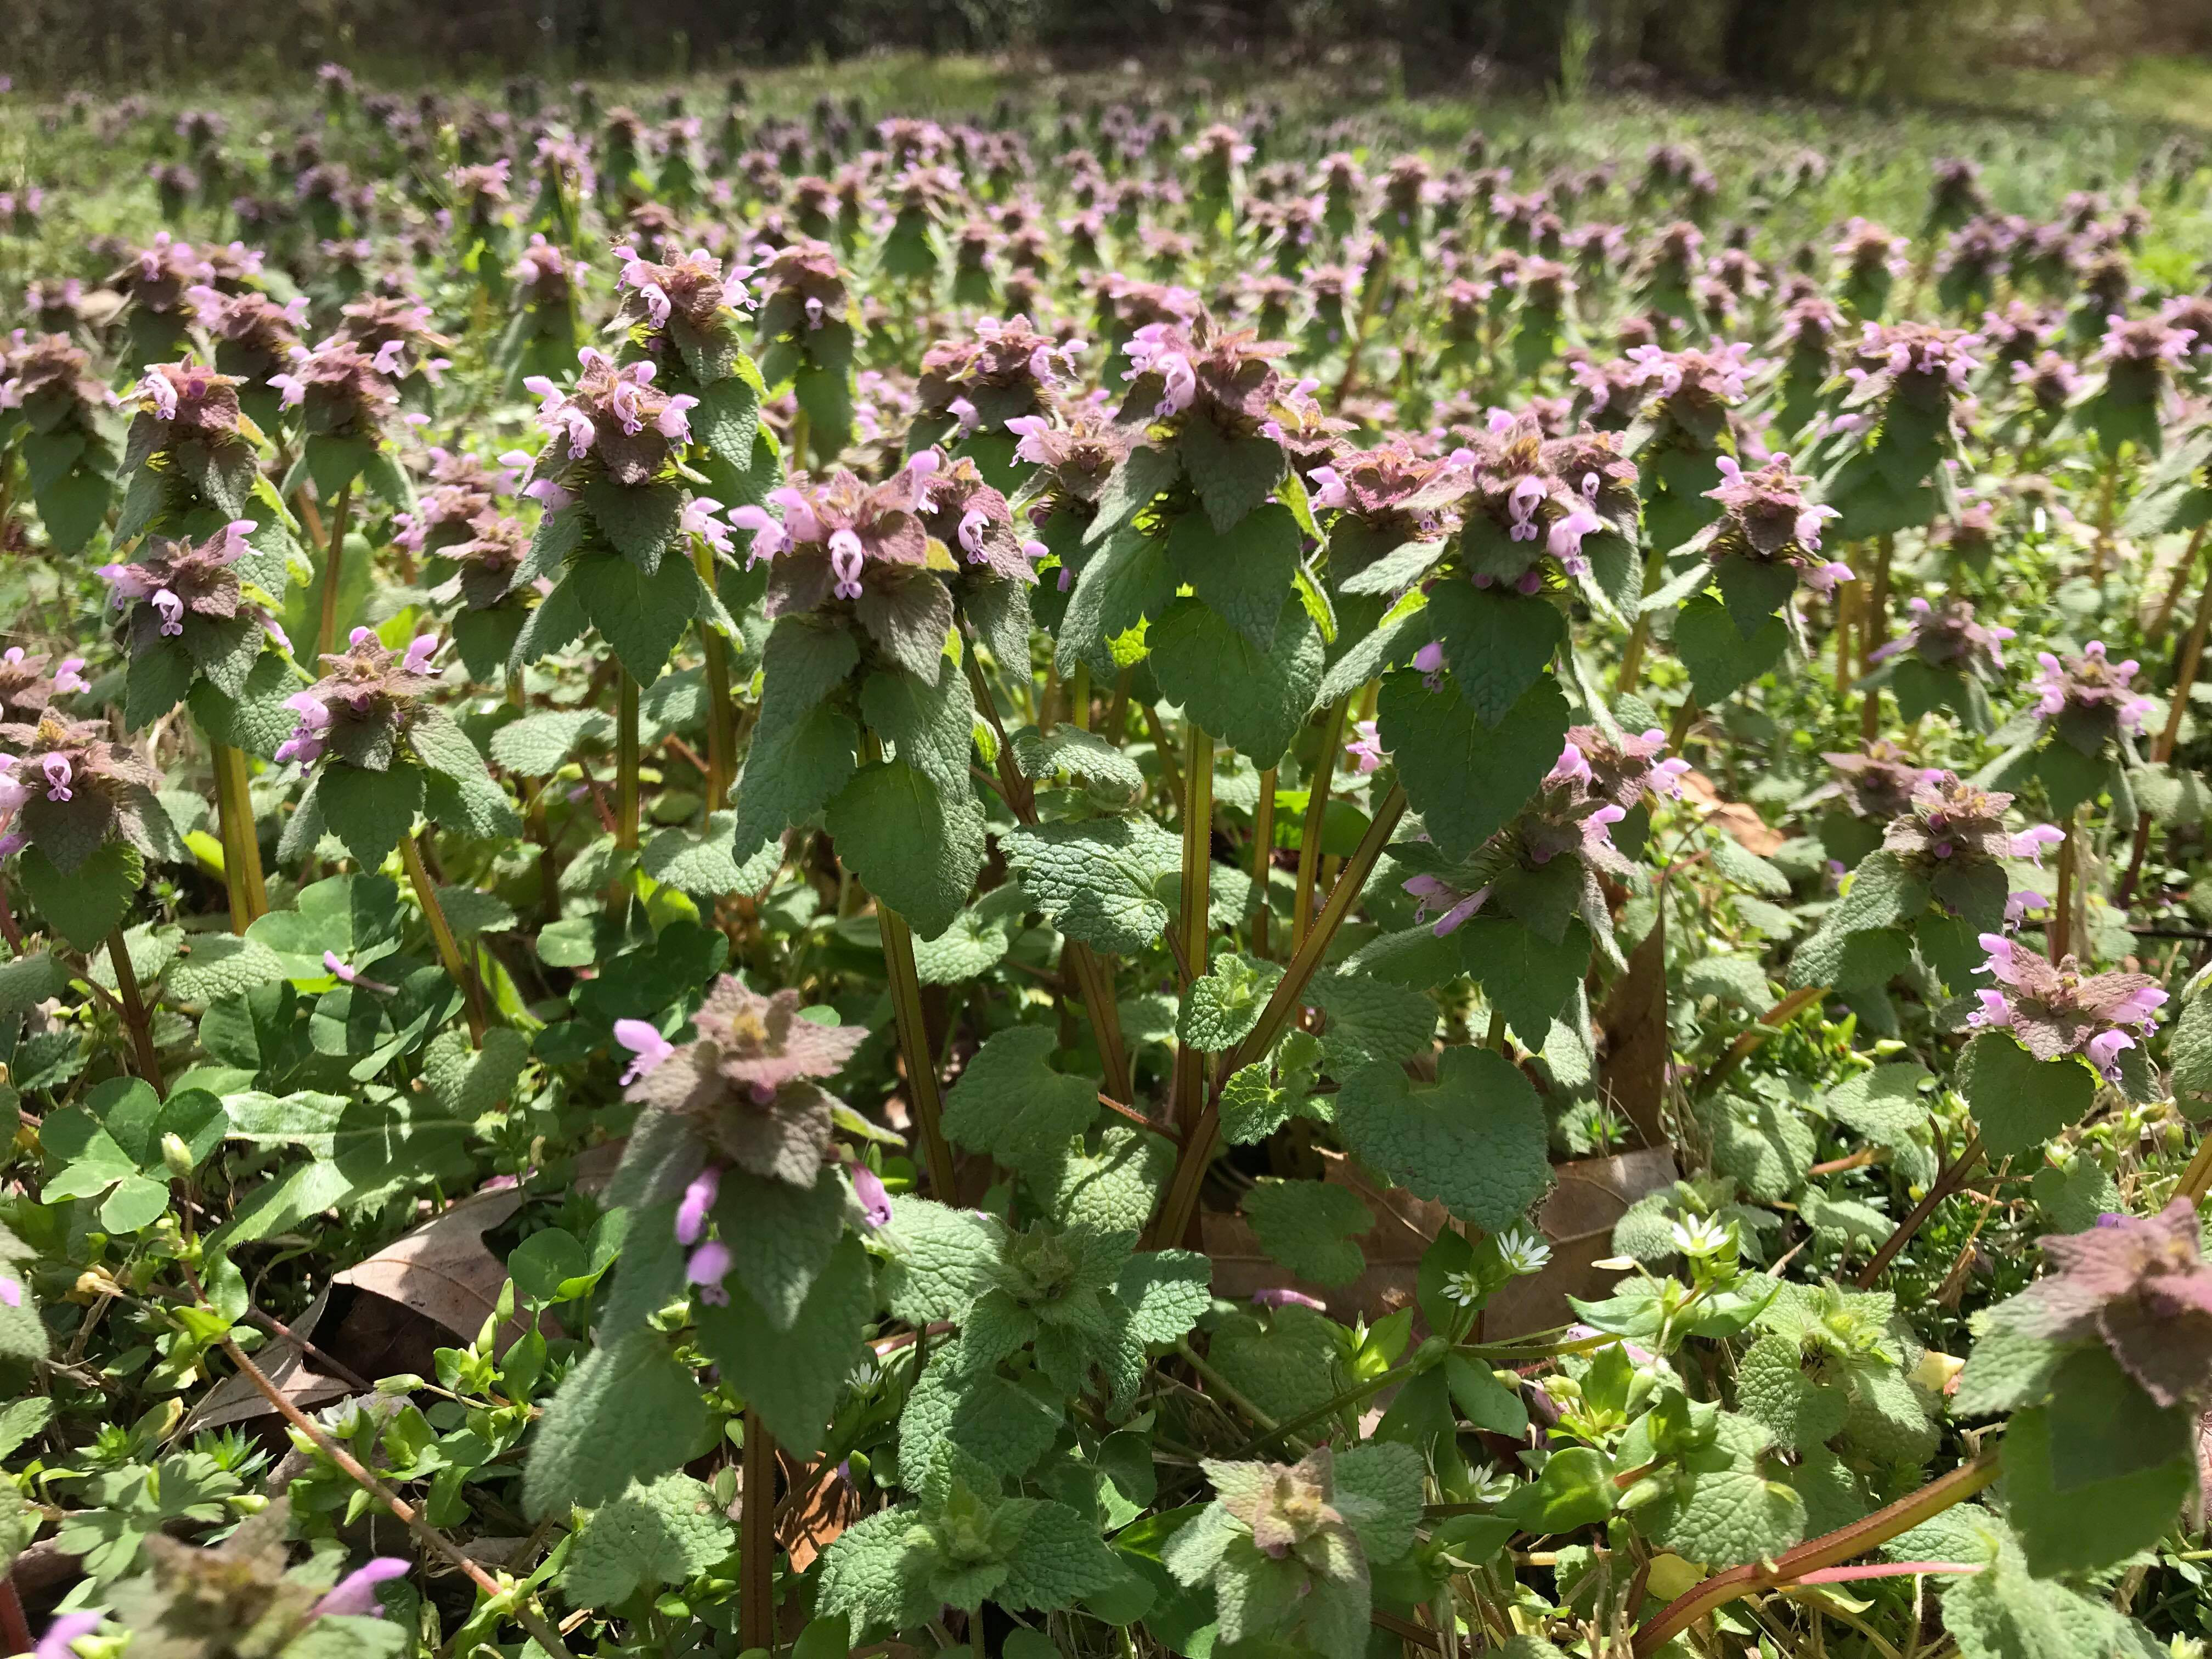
(1922, 50)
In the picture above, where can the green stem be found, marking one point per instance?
(327, 629)
(1197, 898)
(757, 1537)
(1309, 834)
(626, 761)
(241, 842)
(914, 1045)
(1841, 1545)
(442, 935)
(135, 1021)
(1263, 852)
(721, 713)
(1197, 1150)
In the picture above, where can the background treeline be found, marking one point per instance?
(1852, 47)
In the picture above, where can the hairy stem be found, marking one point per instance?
(721, 713)
(134, 1018)
(2061, 931)
(1952, 1178)
(526, 1615)
(1196, 1153)
(1197, 900)
(241, 840)
(626, 761)
(1263, 849)
(1827, 1550)
(1309, 832)
(914, 1046)
(757, 1537)
(327, 629)
(442, 935)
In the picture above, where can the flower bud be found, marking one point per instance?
(177, 1157)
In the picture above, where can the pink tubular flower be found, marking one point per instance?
(68, 677)
(644, 1043)
(769, 538)
(1431, 890)
(1326, 487)
(354, 1596)
(1364, 751)
(973, 524)
(58, 1642)
(2030, 842)
(1032, 430)
(1430, 660)
(868, 1187)
(1282, 1296)
(1149, 354)
(1565, 542)
(846, 557)
(172, 609)
(58, 773)
(699, 520)
(709, 1266)
(419, 653)
(11, 1291)
(697, 1202)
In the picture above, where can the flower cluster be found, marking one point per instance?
(66, 790)
(51, 379)
(26, 688)
(745, 1084)
(2087, 699)
(361, 708)
(691, 285)
(340, 390)
(1951, 822)
(837, 541)
(1008, 373)
(615, 418)
(173, 581)
(2056, 1010)
(2139, 1285)
(1947, 636)
(1878, 784)
(1766, 519)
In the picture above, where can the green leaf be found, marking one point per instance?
(1498, 642)
(915, 850)
(1464, 777)
(1719, 657)
(221, 965)
(628, 1412)
(1575, 1489)
(640, 522)
(1011, 1103)
(27, 981)
(2086, 1526)
(1474, 1141)
(1309, 1226)
(641, 614)
(1101, 881)
(1774, 1389)
(88, 903)
(1525, 978)
(658, 1532)
(793, 768)
(1768, 1147)
(1254, 701)
(1724, 1512)
(1113, 1189)
(538, 746)
(2018, 1101)
(940, 1261)
(369, 811)
(1370, 1019)
(1070, 749)
(1221, 1007)
(1232, 475)
(1242, 573)
(930, 724)
(792, 1380)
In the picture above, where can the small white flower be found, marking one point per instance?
(1464, 1288)
(1524, 1250)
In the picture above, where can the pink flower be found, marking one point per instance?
(868, 1188)
(699, 520)
(1327, 487)
(1365, 748)
(11, 1291)
(973, 524)
(1429, 890)
(1430, 660)
(698, 1200)
(59, 773)
(58, 1642)
(2030, 842)
(419, 653)
(172, 609)
(846, 557)
(769, 536)
(1282, 1296)
(644, 1042)
(354, 1594)
(709, 1266)
(1032, 429)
